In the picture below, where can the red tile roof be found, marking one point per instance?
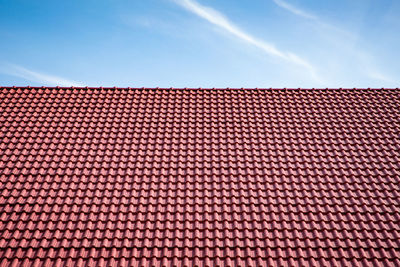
(199, 177)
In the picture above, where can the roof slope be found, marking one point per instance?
(199, 177)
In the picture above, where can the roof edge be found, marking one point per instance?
(187, 88)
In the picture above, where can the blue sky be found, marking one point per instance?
(200, 43)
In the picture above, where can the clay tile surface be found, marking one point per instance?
(199, 177)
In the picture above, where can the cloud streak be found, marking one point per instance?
(295, 10)
(218, 19)
(306, 15)
(33, 76)
(375, 74)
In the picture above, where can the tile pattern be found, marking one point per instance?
(184, 177)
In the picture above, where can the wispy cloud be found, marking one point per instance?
(34, 76)
(295, 10)
(362, 57)
(218, 19)
(307, 15)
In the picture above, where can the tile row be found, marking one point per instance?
(390, 255)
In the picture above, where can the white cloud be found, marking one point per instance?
(33, 76)
(218, 19)
(363, 57)
(294, 10)
(307, 15)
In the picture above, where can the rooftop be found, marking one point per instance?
(174, 177)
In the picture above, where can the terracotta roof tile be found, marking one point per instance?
(199, 177)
